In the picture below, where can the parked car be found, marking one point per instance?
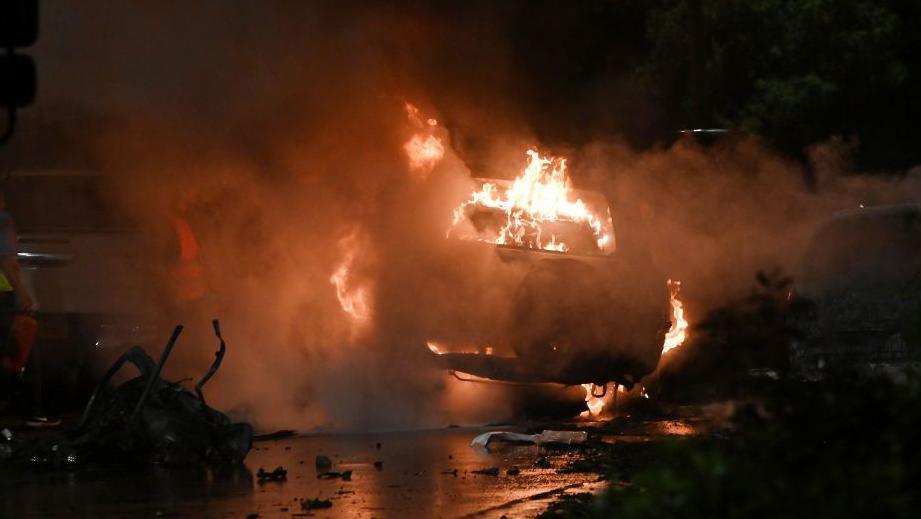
(861, 278)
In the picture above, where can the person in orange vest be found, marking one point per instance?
(189, 298)
(188, 274)
(17, 326)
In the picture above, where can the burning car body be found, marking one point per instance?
(584, 310)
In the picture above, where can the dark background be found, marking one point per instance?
(793, 72)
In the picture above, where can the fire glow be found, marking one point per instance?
(679, 330)
(542, 194)
(354, 298)
(674, 338)
(424, 149)
(597, 404)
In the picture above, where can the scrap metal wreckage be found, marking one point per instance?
(146, 419)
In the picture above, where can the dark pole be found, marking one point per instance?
(156, 374)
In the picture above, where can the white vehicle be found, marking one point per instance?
(81, 259)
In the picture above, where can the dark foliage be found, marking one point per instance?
(841, 448)
(753, 333)
(795, 72)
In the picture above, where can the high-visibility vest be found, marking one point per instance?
(188, 274)
(5, 285)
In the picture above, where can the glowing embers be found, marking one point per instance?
(679, 330)
(354, 295)
(537, 210)
(424, 149)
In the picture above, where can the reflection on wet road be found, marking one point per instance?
(398, 474)
(414, 478)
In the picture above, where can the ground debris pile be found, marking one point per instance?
(315, 504)
(279, 474)
(147, 419)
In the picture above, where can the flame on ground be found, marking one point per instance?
(354, 298)
(679, 330)
(541, 194)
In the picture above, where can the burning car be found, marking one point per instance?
(587, 310)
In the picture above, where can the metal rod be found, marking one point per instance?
(218, 358)
(156, 374)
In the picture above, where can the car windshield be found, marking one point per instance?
(485, 222)
(577, 236)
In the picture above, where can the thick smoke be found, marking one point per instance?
(278, 129)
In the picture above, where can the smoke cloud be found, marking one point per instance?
(278, 128)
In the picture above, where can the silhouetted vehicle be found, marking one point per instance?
(861, 275)
(704, 136)
(592, 314)
(80, 257)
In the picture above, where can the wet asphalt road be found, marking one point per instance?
(415, 478)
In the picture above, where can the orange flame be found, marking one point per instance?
(440, 349)
(424, 149)
(424, 152)
(679, 330)
(353, 298)
(541, 194)
(596, 405)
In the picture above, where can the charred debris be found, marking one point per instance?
(145, 420)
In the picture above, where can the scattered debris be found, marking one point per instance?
(513, 471)
(544, 438)
(7, 444)
(543, 463)
(491, 471)
(315, 504)
(344, 476)
(279, 474)
(324, 463)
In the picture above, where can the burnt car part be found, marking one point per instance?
(574, 324)
(149, 419)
